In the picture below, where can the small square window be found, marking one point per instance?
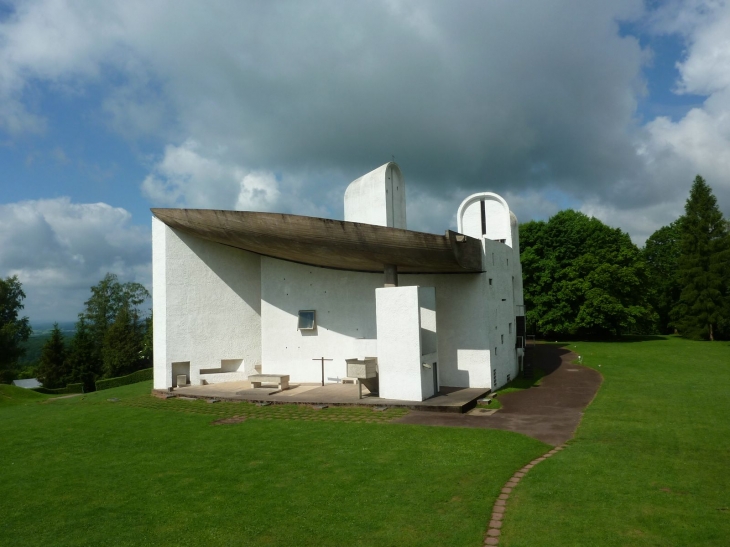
(306, 320)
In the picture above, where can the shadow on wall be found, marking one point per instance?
(344, 302)
(230, 276)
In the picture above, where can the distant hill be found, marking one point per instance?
(41, 333)
(45, 327)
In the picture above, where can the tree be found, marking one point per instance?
(661, 253)
(109, 331)
(108, 297)
(52, 368)
(703, 265)
(582, 277)
(122, 345)
(80, 357)
(14, 330)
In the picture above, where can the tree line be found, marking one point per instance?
(583, 278)
(112, 337)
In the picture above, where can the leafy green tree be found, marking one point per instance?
(108, 298)
(582, 277)
(52, 367)
(704, 265)
(108, 328)
(661, 253)
(14, 330)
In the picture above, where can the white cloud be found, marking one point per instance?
(639, 222)
(184, 177)
(59, 249)
(276, 106)
(700, 141)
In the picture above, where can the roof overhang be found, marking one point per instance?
(329, 243)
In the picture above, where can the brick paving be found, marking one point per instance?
(494, 528)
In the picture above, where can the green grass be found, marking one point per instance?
(13, 395)
(650, 464)
(518, 384)
(145, 471)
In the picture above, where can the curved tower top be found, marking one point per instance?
(378, 197)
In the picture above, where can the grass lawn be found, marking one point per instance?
(518, 384)
(650, 464)
(143, 471)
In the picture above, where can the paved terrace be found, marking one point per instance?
(549, 412)
(450, 400)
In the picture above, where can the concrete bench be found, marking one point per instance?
(282, 380)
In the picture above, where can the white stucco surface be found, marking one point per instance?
(207, 305)
(379, 197)
(496, 214)
(344, 303)
(398, 311)
(429, 341)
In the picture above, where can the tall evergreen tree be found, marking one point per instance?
(122, 345)
(81, 360)
(52, 368)
(661, 253)
(703, 265)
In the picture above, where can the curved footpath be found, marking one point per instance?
(549, 412)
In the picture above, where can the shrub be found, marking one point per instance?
(139, 376)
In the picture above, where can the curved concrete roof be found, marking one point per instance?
(329, 243)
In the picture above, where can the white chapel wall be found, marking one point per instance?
(346, 324)
(500, 312)
(344, 303)
(207, 305)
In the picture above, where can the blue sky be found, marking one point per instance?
(110, 108)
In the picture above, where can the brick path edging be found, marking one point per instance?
(495, 523)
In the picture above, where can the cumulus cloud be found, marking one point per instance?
(59, 249)
(186, 178)
(278, 105)
(700, 141)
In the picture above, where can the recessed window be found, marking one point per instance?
(490, 280)
(495, 350)
(510, 328)
(306, 320)
(502, 335)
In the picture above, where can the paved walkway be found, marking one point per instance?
(450, 400)
(549, 412)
